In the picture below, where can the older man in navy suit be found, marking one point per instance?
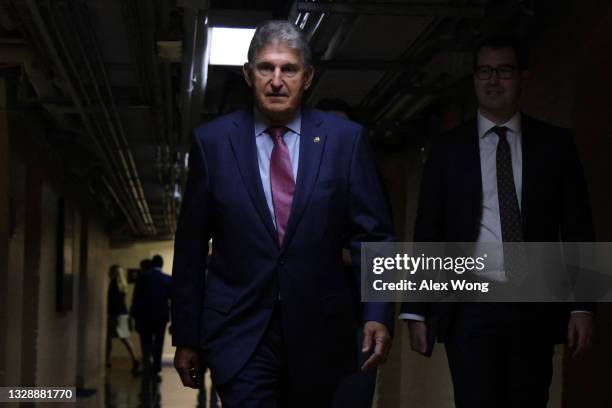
(281, 190)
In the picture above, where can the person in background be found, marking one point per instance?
(501, 177)
(150, 310)
(118, 318)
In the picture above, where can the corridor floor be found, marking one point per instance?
(125, 391)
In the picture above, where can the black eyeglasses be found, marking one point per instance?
(503, 71)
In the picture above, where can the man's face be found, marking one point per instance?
(499, 93)
(278, 79)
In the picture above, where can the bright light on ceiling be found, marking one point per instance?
(229, 46)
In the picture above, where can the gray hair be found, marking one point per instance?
(280, 31)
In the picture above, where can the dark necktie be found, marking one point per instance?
(281, 180)
(509, 211)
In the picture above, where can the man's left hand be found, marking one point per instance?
(579, 333)
(377, 333)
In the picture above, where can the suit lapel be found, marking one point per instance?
(527, 145)
(312, 144)
(242, 139)
(473, 173)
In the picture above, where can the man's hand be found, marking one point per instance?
(418, 336)
(377, 333)
(579, 333)
(189, 367)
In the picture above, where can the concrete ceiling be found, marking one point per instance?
(94, 67)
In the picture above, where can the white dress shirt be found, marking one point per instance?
(490, 223)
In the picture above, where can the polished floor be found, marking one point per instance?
(126, 391)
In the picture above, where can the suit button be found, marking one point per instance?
(281, 262)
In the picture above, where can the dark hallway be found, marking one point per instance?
(98, 103)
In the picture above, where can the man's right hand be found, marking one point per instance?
(418, 335)
(189, 366)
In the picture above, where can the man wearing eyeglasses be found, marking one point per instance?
(503, 177)
(281, 189)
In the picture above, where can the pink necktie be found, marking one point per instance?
(281, 180)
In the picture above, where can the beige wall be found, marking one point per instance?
(4, 232)
(57, 332)
(571, 86)
(43, 346)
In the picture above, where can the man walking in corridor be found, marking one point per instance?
(281, 189)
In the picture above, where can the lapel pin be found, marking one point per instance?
(317, 139)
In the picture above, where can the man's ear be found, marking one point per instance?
(309, 74)
(246, 72)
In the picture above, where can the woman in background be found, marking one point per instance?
(118, 317)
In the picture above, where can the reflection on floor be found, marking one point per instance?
(125, 391)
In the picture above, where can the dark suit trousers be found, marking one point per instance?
(152, 344)
(265, 381)
(357, 389)
(499, 357)
(259, 383)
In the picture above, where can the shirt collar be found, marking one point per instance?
(261, 124)
(485, 125)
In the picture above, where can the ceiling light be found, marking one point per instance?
(229, 46)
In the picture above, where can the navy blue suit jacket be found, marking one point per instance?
(338, 201)
(555, 206)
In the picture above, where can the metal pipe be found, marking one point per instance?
(189, 41)
(150, 48)
(311, 33)
(334, 44)
(394, 9)
(122, 143)
(126, 175)
(339, 36)
(113, 194)
(384, 93)
(58, 62)
(107, 153)
(201, 59)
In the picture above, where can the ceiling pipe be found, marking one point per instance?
(109, 187)
(170, 212)
(200, 68)
(196, 50)
(391, 9)
(58, 62)
(335, 42)
(189, 41)
(194, 17)
(315, 27)
(110, 165)
(162, 108)
(121, 140)
(158, 90)
(152, 63)
(127, 172)
(385, 94)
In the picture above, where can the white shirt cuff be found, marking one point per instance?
(411, 316)
(581, 311)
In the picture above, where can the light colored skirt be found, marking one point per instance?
(123, 326)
